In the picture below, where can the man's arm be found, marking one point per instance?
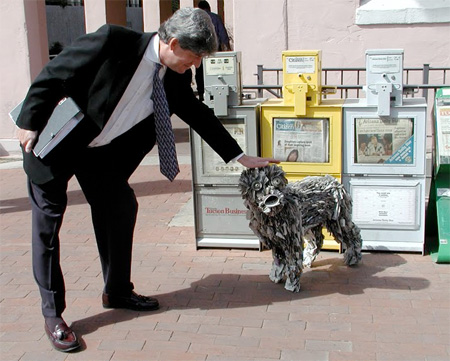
(198, 116)
(202, 119)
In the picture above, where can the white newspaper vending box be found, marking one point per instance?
(220, 214)
(384, 163)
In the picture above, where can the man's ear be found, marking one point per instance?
(173, 43)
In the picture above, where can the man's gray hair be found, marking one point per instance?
(194, 30)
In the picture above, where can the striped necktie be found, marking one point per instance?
(168, 162)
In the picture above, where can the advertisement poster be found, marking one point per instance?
(380, 64)
(213, 164)
(300, 65)
(301, 140)
(378, 141)
(389, 207)
(443, 130)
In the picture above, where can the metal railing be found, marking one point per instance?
(339, 78)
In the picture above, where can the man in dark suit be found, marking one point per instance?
(110, 74)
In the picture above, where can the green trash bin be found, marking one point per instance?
(438, 214)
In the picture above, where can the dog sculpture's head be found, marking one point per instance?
(262, 188)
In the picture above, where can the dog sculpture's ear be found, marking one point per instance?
(245, 181)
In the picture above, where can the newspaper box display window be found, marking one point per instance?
(212, 164)
(301, 140)
(382, 142)
(384, 145)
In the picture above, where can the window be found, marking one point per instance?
(372, 12)
(64, 3)
(134, 3)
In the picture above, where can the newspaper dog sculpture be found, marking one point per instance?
(284, 216)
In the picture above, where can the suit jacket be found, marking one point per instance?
(95, 71)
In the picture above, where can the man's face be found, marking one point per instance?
(178, 59)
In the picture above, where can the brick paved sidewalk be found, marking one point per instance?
(217, 304)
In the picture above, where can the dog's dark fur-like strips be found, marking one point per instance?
(284, 216)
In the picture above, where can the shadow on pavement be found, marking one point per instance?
(228, 291)
(141, 189)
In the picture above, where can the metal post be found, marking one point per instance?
(425, 79)
(259, 79)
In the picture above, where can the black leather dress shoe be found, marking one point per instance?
(132, 302)
(62, 337)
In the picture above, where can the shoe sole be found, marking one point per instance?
(67, 349)
(132, 309)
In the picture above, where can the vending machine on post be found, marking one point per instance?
(384, 157)
(438, 212)
(220, 214)
(302, 130)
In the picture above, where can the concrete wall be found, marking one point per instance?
(264, 28)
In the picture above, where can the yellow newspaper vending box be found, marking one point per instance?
(301, 130)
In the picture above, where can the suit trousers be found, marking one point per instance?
(103, 174)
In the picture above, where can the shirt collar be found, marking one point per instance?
(152, 51)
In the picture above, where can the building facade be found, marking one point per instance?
(260, 29)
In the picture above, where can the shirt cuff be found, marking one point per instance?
(238, 157)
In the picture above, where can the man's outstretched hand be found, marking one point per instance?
(256, 162)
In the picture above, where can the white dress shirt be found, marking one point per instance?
(135, 104)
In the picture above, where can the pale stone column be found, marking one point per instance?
(100, 12)
(214, 6)
(186, 4)
(151, 13)
(94, 14)
(228, 19)
(24, 52)
(36, 28)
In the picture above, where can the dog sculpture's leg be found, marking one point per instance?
(293, 272)
(313, 239)
(276, 274)
(344, 230)
(293, 284)
(294, 264)
(352, 240)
